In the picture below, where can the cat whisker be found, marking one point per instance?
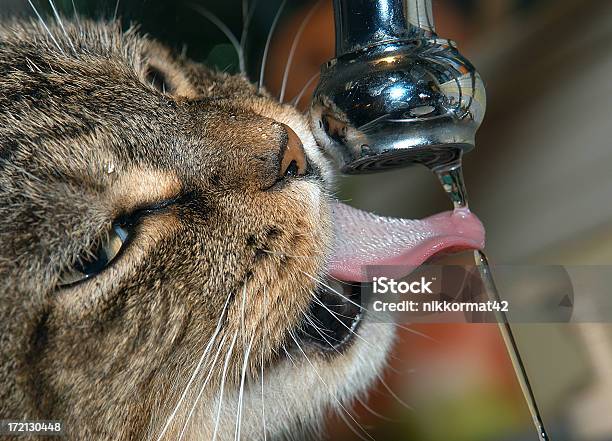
(397, 325)
(59, 21)
(393, 394)
(335, 195)
(46, 27)
(206, 380)
(314, 321)
(246, 358)
(318, 329)
(335, 278)
(264, 57)
(116, 10)
(227, 68)
(245, 8)
(355, 431)
(289, 356)
(395, 370)
(247, 17)
(415, 332)
(242, 309)
(197, 368)
(241, 393)
(76, 16)
(352, 429)
(264, 334)
(223, 376)
(335, 315)
(332, 394)
(364, 404)
(316, 279)
(295, 256)
(226, 31)
(296, 40)
(373, 412)
(299, 96)
(33, 67)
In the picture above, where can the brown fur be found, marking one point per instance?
(86, 139)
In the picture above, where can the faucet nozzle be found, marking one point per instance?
(395, 94)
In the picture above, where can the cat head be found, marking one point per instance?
(166, 232)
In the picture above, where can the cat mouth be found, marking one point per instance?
(334, 316)
(364, 241)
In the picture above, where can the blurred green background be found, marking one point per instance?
(540, 178)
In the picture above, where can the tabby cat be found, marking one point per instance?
(169, 247)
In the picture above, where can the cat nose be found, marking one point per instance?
(293, 160)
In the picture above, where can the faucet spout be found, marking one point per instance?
(396, 94)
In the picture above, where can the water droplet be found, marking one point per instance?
(451, 178)
(110, 168)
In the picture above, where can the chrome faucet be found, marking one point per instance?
(396, 94)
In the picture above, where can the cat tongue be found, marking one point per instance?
(363, 239)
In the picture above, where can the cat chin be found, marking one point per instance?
(305, 390)
(298, 393)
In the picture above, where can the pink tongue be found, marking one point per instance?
(363, 238)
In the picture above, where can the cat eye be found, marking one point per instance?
(96, 261)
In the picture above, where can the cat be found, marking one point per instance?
(173, 263)
(165, 231)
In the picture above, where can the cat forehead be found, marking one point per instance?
(86, 55)
(91, 48)
(86, 85)
(87, 79)
(71, 40)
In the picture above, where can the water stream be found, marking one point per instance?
(450, 176)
